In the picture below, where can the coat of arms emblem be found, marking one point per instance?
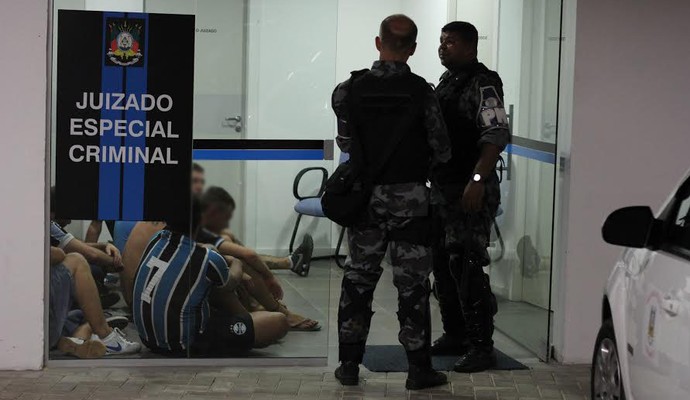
(125, 42)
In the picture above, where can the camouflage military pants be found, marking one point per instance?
(397, 221)
(460, 251)
(464, 231)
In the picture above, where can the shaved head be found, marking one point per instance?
(398, 33)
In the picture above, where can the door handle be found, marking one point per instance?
(233, 122)
(670, 305)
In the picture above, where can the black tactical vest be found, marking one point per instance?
(456, 95)
(390, 112)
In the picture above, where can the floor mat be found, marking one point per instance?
(392, 358)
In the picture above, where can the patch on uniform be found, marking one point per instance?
(491, 110)
(239, 328)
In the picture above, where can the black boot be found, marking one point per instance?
(479, 308)
(448, 345)
(476, 360)
(421, 375)
(348, 373)
(480, 328)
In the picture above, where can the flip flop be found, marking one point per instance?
(304, 326)
(302, 261)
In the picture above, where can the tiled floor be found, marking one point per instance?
(315, 296)
(553, 382)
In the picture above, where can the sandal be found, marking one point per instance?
(304, 325)
(307, 325)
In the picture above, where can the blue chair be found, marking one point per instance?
(311, 205)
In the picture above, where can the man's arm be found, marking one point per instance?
(437, 133)
(338, 100)
(228, 235)
(247, 255)
(492, 120)
(488, 159)
(253, 260)
(93, 255)
(236, 272)
(93, 232)
(96, 245)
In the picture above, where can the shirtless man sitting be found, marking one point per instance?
(216, 218)
(217, 207)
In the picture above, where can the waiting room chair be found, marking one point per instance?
(311, 205)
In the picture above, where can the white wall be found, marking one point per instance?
(298, 70)
(357, 29)
(291, 73)
(430, 16)
(358, 25)
(484, 15)
(23, 129)
(115, 5)
(629, 143)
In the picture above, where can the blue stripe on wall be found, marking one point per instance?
(526, 152)
(109, 173)
(265, 155)
(133, 174)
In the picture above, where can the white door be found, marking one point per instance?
(219, 84)
(659, 307)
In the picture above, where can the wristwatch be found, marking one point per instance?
(477, 178)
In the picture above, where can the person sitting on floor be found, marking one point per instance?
(267, 292)
(102, 257)
(216, 218)
(70, 280)
(217, 208)
(175, 306)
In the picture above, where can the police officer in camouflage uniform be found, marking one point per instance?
(466, 196)
(390, 106)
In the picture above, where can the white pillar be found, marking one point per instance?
(22, 204)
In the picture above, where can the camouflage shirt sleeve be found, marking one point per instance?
(340, 109)
(437, 134)
(492, 119)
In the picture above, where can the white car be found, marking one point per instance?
(643, 347)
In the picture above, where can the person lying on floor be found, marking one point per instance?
(183, 298)
(85, 334)
(217, 211)
(265, 289)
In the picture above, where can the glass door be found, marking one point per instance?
(219, 82)
(262, 85)
(528, 49)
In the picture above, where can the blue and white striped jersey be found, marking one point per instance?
(170, 303)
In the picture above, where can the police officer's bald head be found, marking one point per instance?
(398, 34)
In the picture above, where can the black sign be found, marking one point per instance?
(125, 88)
